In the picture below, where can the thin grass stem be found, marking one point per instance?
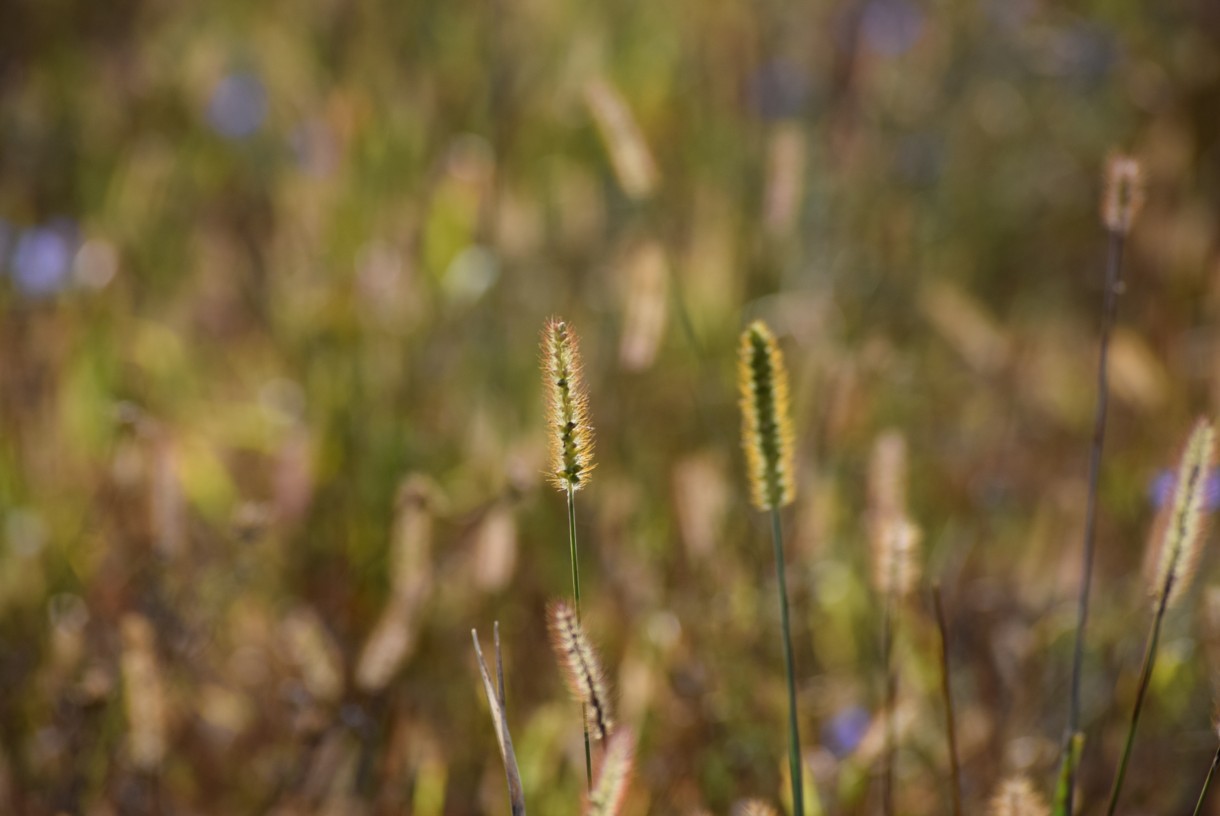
(1207, 783)
(1113, 288)
(955, 770)
(794, 737)
(1145, 677)
(891, 694)
(584, 712)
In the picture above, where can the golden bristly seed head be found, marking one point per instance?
(767, 435)
(1123, 194)
(571, 437)
(1017, 797)
(1181, 524)
(582, 669)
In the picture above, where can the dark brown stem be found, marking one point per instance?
(950, 726)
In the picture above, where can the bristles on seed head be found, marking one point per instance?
(1181, 525)
(896, 557)
(606, 798)
(1017, 797)
(1123, 195)
(766, 428)
(753, 807)
(582, 670)
(567, 414)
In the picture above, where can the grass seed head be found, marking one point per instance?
(1181, 525)
(767, 435)
(606, 798)
(582, 669)
(1017, 797)
(571, 437)
(896, 557)
(1123, 194)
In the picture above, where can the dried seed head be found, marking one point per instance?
(388, 646)
(606, 798)
(581, 667)
(633, 163)
(896, 557)
(887, 477)
(315, 653)
(753, 807)
(1181, 524)
(1017, 797)
(767, 435)
(1123, 194)
(571, 438)
(143, 693)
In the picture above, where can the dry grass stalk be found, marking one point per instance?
(496, 700)
(767, 435)
(569, 431)
(606, 798)
(582, 670)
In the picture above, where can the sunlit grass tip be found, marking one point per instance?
(767, 435)
(1123, 193)
(568, 429)
(1017, 797)
(1180, 529)
(753, 807)
(582, 669)
(606, 798)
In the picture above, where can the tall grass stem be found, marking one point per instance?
(1114, 287)
(1207, 783)
(794, 737)
(946, 692)
(1145, 677)
(584, 712)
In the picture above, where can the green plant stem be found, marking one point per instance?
(794, 737)
(946, 692)
(1145, 676)
(1114, 287)
(1206, 783)
(584, 714)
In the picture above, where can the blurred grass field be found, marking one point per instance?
(272, 278)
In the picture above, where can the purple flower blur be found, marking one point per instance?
(845, 730)
(238, 105)
(42, 258)
(890, 27)
(1160, 488)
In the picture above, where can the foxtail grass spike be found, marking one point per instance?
(1017, 797)
(1123, 195)
(1180, 529)
(606, 798)
(767, 435)
(887, 477)
(896, 558)
(582, 669)
(568, 429)
(1178, 537)
(753, 807)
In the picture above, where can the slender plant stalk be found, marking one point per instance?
(496, 701)
(584, 710)
(891, 695)
(794, 737)
(1207, 783)
(1145, 676)
(946, 692)
(1114, 287)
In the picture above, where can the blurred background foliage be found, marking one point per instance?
(271, 282)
